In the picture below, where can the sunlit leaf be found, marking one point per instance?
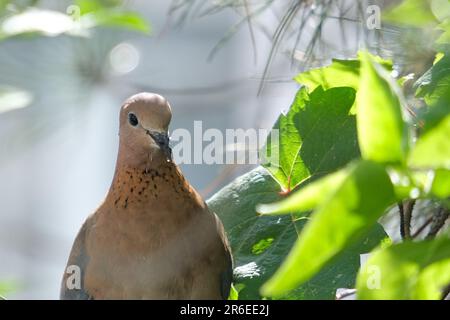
(440, 9)
(435, 83)
(409, 270)
(340, 73)
(432, 149)
(316, 136)
(441, 184)
(234, 294)
(415, 13)
(444, 39)
(308, 197)
(382, 133)
(337, 222)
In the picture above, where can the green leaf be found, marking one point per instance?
(337, 222)
(435, 83)
(234, 294)
(413, 13)
(307, 197)
(441, 9)
(115, 18)
(409, 270)
(340, 73)
(7, 287)
(382, 133)
(87, 6)
(256, 257)
(440, 186)
(316, 136)
(444, 38)
(432, 149)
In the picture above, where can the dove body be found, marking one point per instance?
(153, 237)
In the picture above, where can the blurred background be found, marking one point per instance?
(66, 67)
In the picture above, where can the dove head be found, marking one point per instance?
(144, 122)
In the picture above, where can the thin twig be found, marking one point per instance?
(438, 222)
(278, 36)
(250, 29)
(422, 227)
(402, 220)
(345, 294)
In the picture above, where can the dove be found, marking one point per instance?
(153, 236)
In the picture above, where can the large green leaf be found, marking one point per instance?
(432, 149)
(261, 243)
(340, 220)
(409, 270)
(316, 136)
(340, 73)
(382, 133)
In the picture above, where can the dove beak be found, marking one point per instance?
(162, 139)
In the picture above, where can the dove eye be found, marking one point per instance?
(132, 119)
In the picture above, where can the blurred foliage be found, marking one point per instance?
(417, 270)
(13, 98)
(404, 156)
(27, 19)
(417, 13)
(77, 20)
(7, 287)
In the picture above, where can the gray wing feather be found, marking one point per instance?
(79, 258)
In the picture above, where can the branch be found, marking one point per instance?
(422, 227)
(409, 207)
(345, 293)
(406, 210)
(402, 219)
(438, 222)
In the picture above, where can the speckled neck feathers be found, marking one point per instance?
(145, 185)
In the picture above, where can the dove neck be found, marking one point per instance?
(131, 166)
